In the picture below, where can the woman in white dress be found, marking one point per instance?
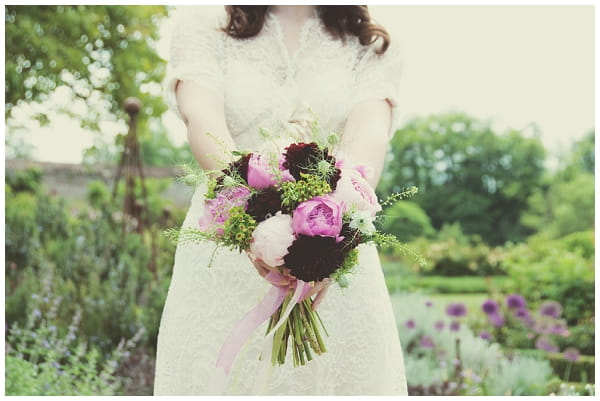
(277, 68)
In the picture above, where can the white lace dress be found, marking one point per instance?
(265, 87)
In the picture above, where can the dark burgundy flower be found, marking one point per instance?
(264, 204)
(351, 237)
(489, 307)
(515, 301)
(314, 258)
(238, 167)
(305, 157)
(456, 309)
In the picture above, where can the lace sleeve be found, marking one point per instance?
(378, 77)
(194, 52)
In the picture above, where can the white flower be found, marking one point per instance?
(362, 221)
(272, 238)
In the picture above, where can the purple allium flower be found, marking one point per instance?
(496, 319)
(439, 325)
(410, 323)
(514, 301)
(571, 354)
(485, 335)
(541, 327)
(428, 304)
(546, 344)
(550, 308)
(455, 361)
(521, 312)
(456, 309)
(454, 325)
(489, 307)
(426, 342)
(559, 328)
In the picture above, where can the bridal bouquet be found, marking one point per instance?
(303, 211)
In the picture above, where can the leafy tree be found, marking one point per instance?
(565, 203)
(406, 220)
(104, 54)
(467, 173)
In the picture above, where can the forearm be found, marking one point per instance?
(207, 132)
(365, 137)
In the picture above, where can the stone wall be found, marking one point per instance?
(71, 180)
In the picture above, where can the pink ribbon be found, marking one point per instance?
(261, 312)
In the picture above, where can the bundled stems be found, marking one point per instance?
(301, 331)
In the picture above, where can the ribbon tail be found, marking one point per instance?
(250, 322)
(302, 289)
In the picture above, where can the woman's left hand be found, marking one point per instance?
(320, 289)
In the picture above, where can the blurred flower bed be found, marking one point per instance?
(110, 280)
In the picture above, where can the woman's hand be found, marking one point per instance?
(319, 288)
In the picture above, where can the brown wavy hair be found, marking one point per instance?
(339, 21)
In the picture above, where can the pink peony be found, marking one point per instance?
(261, 174)
(321, 215)
(355, 191)
(216, 211)
(272, 238)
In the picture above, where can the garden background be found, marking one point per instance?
(504, 306)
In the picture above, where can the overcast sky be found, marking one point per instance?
(511, 64)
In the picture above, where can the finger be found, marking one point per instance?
(319, 297)
(319, 285)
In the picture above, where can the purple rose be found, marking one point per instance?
(216, 211)
(489, 307)
(320, 215)
(515, 301)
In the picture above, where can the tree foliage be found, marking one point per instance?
(467, 173)
(564, 204)
(104, 54)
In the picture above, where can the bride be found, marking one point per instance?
(277, 68)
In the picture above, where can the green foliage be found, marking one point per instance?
(549, 270)
(106, 51)
(96, 266)
(44, 358)
(406, 220)
(563, 206)
(444, 284)
(238, 229)
(295, 192)
(467, 173)
(453, 253)
(29, 179)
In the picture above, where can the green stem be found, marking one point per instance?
(313, 321)
(310, 335)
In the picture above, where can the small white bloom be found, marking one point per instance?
(362, 221)
(228, 181)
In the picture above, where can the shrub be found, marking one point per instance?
(42, 359)
(406, 220)
(548, 270)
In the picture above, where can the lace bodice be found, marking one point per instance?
(265, 87)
